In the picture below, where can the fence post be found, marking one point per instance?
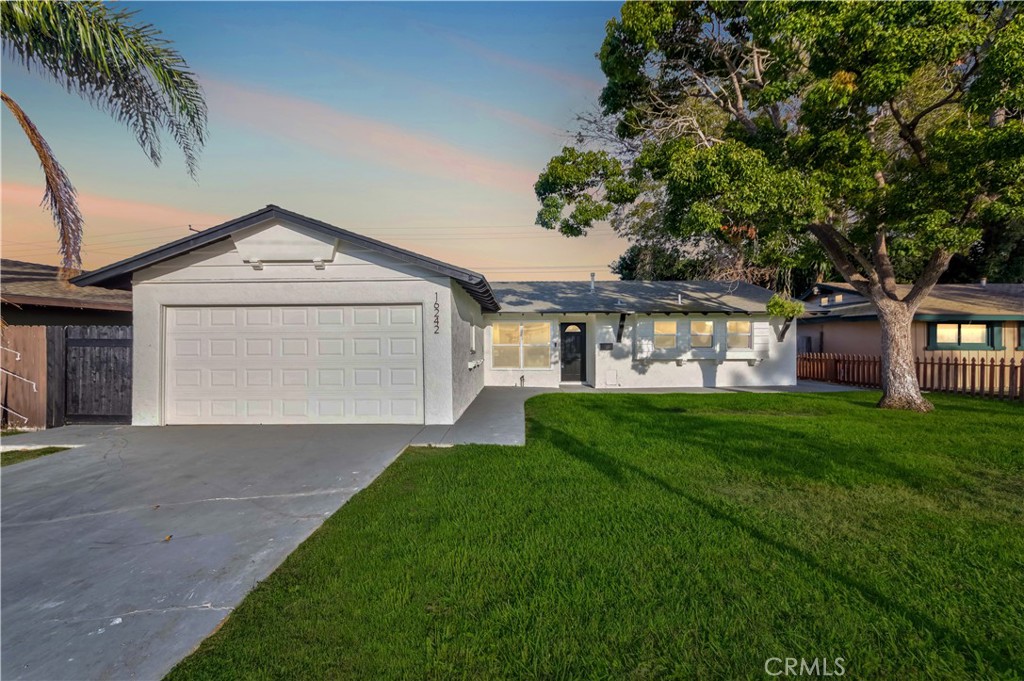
(1015, 378)
(1002, 377)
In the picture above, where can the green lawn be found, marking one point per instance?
(18, 455)
(665, 536)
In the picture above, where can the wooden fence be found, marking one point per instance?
(89, 371)
(1000, 379)
(55, 375)
(23, 376)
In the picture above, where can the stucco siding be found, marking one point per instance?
(865, 338)
(845, 338)
(467, 356)
(768, 362)
(216, 275)
(222, 261)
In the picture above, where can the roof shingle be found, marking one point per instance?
(630, 296)
(29, 283)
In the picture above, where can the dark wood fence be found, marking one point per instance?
(89, 374)
(1001, 379)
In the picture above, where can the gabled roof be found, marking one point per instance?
(118, 275)
(631, 296)
(978, 301)
(29, 283)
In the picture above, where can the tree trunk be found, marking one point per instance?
(900, 389)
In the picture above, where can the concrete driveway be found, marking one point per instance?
(121, 556)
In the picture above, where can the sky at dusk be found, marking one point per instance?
(421, 124)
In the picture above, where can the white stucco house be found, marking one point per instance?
(275, 317)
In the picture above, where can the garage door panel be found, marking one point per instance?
(302, 364)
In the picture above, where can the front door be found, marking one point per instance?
(574, 354)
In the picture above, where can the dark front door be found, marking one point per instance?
(574, 354)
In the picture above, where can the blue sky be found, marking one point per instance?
(424, 124)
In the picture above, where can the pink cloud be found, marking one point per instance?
(569, 78)
(114, 228)
(343, 134)
(95, 207)
(502, 114)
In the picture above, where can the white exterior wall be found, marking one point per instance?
(217, 275)
(537, 378)
(769, 363)
(467, 360)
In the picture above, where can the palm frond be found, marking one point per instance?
(128, 70)
(60, 196)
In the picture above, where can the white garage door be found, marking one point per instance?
(316, 364)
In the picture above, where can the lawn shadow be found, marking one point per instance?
(741, 443)
(618, 471)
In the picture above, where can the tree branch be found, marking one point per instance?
(827, 237)
(909, 135)
(886, 273)
(937, 264)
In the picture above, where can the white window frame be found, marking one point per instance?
(472, 339)
(522, 345)
(694, 335)
(749, 334)
(674, 335)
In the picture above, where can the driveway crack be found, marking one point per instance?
(147, 611)
(128, 509)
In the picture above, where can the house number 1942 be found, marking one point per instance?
(437, 314)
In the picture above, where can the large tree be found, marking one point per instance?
(663, 260)
(124, 67)
(888, 133)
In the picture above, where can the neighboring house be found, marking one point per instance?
(34, 295)
(970, 321)
(278, 318)
(65, 350)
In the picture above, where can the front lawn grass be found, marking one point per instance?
(665, 536)
(18, 455)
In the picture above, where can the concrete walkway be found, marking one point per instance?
(498, 416)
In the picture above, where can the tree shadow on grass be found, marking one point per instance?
(743, 443)
(618, 471)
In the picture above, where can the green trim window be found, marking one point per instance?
(959, 335)
(1020, 335)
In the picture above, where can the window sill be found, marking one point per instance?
(964, 346)
(494, 368)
